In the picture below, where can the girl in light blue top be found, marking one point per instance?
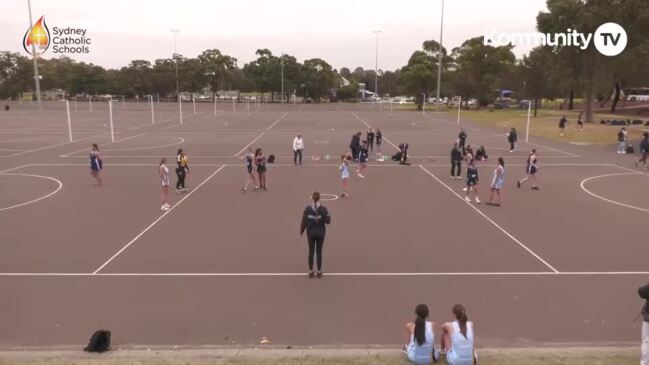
(421, 338)
(497, 183)
(457, 339)
(344, 174)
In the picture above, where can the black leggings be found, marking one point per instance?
(296, 154)
(315, 246)
(456, 165)
(370, 145)
(512, 146)
(181, 173)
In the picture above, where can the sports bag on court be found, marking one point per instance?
(99, 342)
(271, 159)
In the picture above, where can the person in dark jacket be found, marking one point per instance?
(456, 162)
(512, 137)
(643, 291)
(461, 139)
(644, 150)
(314, 221)
(355, 145)
(370, 140)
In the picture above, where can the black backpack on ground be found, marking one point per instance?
(271, 159)
(99, 342)
(630, 149)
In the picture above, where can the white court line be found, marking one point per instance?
(369, 126)
(157, 220)
(583, 187)
(490, 220)
(554, 149)
(34, 200)
(248, 145)
(15, 168)
(339, 274)
(277, 121)
(106, 144)
(52, 146)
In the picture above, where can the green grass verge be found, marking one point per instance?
(546, 124)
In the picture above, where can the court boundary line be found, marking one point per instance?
(52, 146)
(246, 146)
(611, 201)
(2, 209)
(134, 239)
(105, 144)
(339, 274)
(521, 244)
(277, 121)
(394, 165)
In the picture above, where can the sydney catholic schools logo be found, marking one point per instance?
(37, 38)
(65, 40)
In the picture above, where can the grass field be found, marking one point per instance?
(492, 357)
(545, 124)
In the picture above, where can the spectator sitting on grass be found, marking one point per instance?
(457, 339)
(421, 338)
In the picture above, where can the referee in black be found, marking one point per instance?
(314, 221)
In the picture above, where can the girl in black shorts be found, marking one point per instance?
(530, 171)
(250, 167)
(472, 182)
(379, 140)
(260, 162)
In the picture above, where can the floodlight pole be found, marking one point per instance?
(529, 112)
(175, 33)
(439, 60)
(376, 65)
(282, 61)
(37, 80)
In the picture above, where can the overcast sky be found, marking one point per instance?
(339, 31)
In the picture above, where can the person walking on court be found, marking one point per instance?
(250, 167)
(530, 171)
(344, 174)
(363, 156)
(260, 163)
(461, 139)
(314, 220)
(457, 339)
(370, 140)
(497, 183)
(562, 125)
(355, 145)
(512, 138)
(580, 122)
(165, 182)
(456, 162)
(644, 150)
(298, 147)
(472, 180)
(96, 164)
(643, 291)
(181, 171)
(420, 342)
(622, 139)
(379, 140)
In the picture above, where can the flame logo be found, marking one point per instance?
(37, 36)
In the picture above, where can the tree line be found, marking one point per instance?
(472, 70)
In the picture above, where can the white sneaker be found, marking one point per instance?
(164, 208)
(167, 205)
(467, 199)
(477, 201)
(465, 189)
(361, 175)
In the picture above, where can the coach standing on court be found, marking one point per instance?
(298, 146)
(355, 145)
(314, 221)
